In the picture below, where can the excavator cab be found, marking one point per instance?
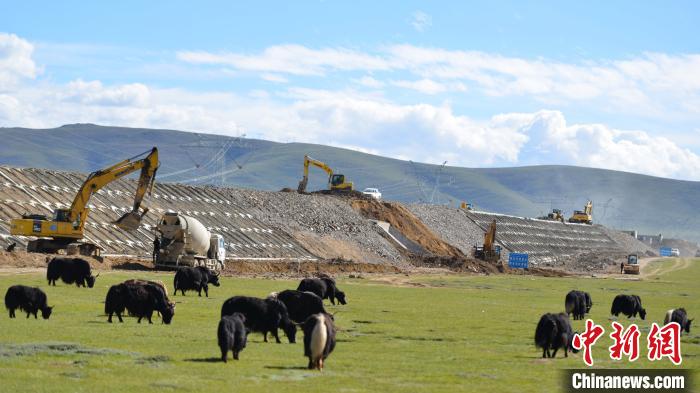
(337, 180)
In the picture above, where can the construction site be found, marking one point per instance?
(336, 225)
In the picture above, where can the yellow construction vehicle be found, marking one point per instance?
(489, 252)
(66, 226)
(555, 215)
(336, 181)
(466, 206)
(632, 265)
(585, 216)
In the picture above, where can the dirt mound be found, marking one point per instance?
(304, 268)
(32, 259)
(405, 222)
(457, 264)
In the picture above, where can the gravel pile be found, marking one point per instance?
(451, 224)
(629, 244)
(319, 214)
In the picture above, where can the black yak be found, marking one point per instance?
(28, 299)
(140, 300)
(319, 339)
(70, 270)
(629, 305)
(300, 305)
(578, 303)
(324, 287)
(554, 332)
(232, 335)
(262, 315)
(679, 316)
(195, 279)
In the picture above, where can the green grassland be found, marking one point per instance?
(430, 333)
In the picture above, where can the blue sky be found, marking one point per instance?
(499, 84)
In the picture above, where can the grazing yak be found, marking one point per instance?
(136, 281)
(27, 299)
(554, 332)
(140, 301)
(319, 339)
(629, 305)
(324, 287)
(679, 316)
(300, 305)
(262, 315)
(232, 335)
(578, 303)
(70, 270)
(195, 279)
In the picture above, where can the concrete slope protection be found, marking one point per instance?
(39, 191)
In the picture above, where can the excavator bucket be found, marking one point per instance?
(130, 221)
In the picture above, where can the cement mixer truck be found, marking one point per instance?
(184, 241)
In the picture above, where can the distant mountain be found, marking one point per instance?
(621, 200)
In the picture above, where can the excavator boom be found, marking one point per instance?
(67, 224)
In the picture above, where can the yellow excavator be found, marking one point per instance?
(585, 216)
(336, 181)
(65, 228)
(489, 252)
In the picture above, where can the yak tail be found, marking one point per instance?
(175, 283)
(223, 335)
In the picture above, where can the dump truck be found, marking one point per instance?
(64, 230)
(185, 241)
(632, 265)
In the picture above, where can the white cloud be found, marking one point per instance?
(370, 82)
(600, 146)
(290, 59)
(421, 21)
(430, 87)
(15, 61)
(94, 93)
(650, 85)
(276, 78)
(425, 86)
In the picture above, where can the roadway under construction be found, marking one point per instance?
(287, 225)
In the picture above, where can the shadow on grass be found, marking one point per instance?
(286, 368)
(204, 360)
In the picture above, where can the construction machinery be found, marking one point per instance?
(555, 215)
(466, 206)
(632, 265)
(489, 251)
(336, 181)
(65, 228)
(185, 241)
(585, 216)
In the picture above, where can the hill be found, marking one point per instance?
(621, 200)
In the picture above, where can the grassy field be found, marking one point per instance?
(423, 333)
